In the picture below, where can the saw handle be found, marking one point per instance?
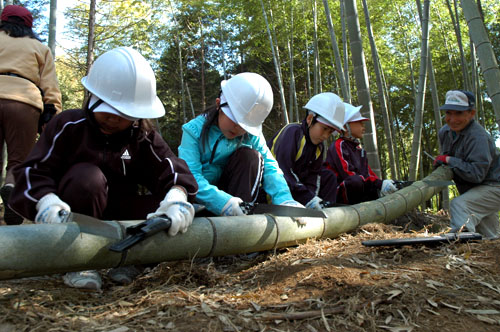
(402, 184)
(247, 207)
(141, 231)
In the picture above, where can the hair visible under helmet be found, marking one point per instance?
(328, 109)
(246, 99)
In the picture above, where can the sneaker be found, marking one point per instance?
(83, 279)
(124, 274)
(9, 216)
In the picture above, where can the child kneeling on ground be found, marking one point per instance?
(92, 160)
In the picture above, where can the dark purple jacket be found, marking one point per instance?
(73, 137)
(299, 159)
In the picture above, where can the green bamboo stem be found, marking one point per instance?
(40, 249)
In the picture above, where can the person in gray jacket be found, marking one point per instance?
(471, 153)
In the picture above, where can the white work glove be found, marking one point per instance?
(388, 187)
(49, 208)
(315, 203)
(232, 207)
(292, 203)
(300, 220)
(177, 208)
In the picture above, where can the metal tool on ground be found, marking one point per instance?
(426, 240)
(91, 225)
(280, 210)
(141, 231)
(436, 183)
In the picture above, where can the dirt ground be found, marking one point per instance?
(323, 285)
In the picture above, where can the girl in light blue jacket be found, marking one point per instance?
(227, 153)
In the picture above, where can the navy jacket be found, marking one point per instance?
(299, 159)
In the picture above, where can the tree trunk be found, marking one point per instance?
(317, 85)
(203, 102)
(336, 52)
(181, 74)
(308, 69)
(190, 101)
(277, 50)
(456, 25)
(293, 93)
(223, 54)
(52, 27)
(394, 133)
(346, 52)
(487, 60)
(476, 85)
(438, 123)
(276, 66)
(362, 85)
(90, 45)
(419, 102)
(381, 95)
(447, 47)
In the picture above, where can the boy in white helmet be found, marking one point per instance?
(299, 150)
(227, 153)
(92, 160)
(347, 159)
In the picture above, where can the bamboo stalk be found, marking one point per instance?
(40, 249)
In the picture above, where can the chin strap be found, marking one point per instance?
(96, 104)
(349, 134)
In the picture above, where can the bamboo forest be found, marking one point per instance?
(371, 53)
(397, 59)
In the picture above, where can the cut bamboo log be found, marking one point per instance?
(41, 249)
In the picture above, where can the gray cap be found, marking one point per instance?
(459, 100)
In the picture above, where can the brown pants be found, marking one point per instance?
(18, 128)
(87, 190)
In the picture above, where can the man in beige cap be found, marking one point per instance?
(471, 153)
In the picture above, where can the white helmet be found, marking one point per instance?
(250, 99)
(353, 114)
(124, 79)
(329, 107)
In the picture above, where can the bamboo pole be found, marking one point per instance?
(40, 249)
(336, 52)
(487, 60)
(362, 85)
(276, 66)
(419, 102)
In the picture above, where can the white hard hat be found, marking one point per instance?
(124, 79)
(250, 99)
(328, 106)
(353, 114)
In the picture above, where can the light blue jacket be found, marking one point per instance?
(208, 174)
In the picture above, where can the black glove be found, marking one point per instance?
(48, 113)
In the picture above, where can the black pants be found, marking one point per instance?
(86, 189)
(355, 189)
(242, 175)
